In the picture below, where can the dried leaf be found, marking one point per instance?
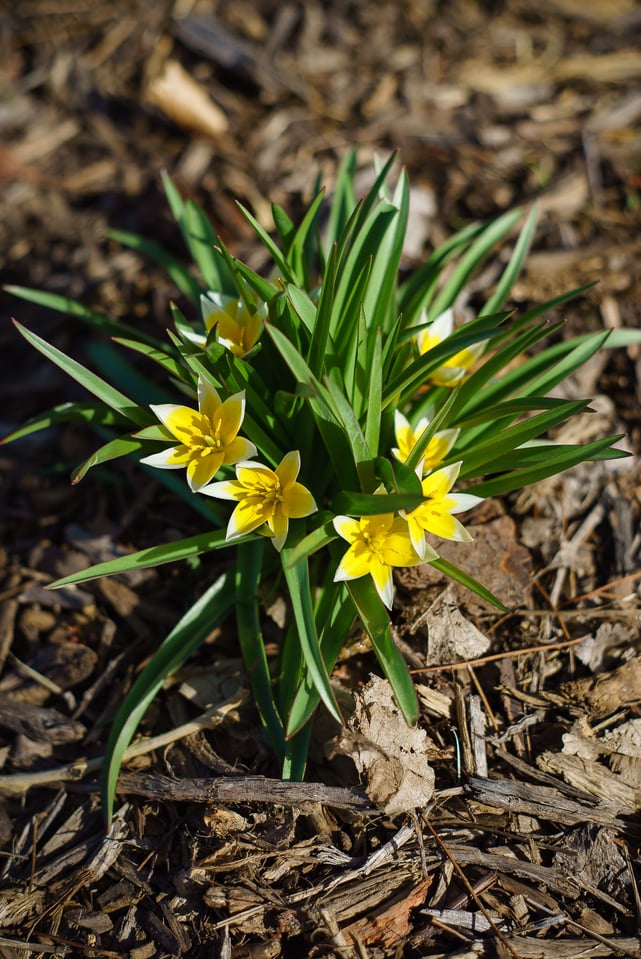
(390, 755)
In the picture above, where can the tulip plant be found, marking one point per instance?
(330, 422)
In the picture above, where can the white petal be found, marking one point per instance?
(164, 410)
(220, 490)
(464, 501)
(206, 390)
(160, 459)
(443, 325)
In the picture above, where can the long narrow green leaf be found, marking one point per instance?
(189, 633)
(297, 577)
(163, 359)
(247, 582)
(453, 572)
(94, 384)
(518, 478)
(364, 504)
(471, 261)
(375, 619)
(62, 304)
(68, 413)
(177, 271)
(512, 270)
(114, 449)
(152, 556)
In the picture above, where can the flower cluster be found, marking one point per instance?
(268, 498)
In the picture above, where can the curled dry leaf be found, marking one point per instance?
(185, 101)
(390, 755)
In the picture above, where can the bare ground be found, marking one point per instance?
(530, 721)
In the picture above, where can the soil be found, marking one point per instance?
(529, 843)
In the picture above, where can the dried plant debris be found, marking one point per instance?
(526, 764)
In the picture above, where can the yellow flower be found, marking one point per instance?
(435, 450)
(434, 515)
(377, 544)
(208, 437)
(236, 328)
(455, 369)
(265, 496)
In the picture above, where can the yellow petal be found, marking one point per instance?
(247, 517)
(229, 416)
(208, 398)
(174, 457)
(202, 469)
(297, 501)
(238, 449)
(279, 525)
(355, 563)
(348, 528)
(382, 576)
(288, 468)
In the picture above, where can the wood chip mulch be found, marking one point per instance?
(528, 841)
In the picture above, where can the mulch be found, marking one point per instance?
(528, 842)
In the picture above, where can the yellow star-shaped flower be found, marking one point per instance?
(265, 497)
(208, 437)
(455, 369)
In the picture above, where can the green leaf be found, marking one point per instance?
(177, 271)
(297, 578)
(512, 270)
(68, 413)
(375, 619)
(449, 569)
(189, 633)
(102, 390)
(114, 449)
(567, 457)
(62, 304)
(152, 556)
(343, 201)
(471, 261)
(163, 359)
(269, 245)
(247, 582)
(365, 504)
(311, 543)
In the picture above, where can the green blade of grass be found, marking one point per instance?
(94, 384)
(375, 619)
(247, 582)
(62, 304)
(297, 577)
(152, 556)
(68, 413)
(189, 633)
(114, 449)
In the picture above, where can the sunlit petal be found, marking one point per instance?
(170, 413)
(247, 517)
(288, 468)
(201, 470)
(464, 501)
(239, 449)
(382, 576)
(347, 527)
(172, 458)
(224, 489)
(229, 416)
(279, 525)
(297, 501)
(208, 397)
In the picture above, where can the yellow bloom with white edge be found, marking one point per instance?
(377, 544)
(208, 437)
(436, 449)
(456, 368)
(435, 514)
(236, 328)
(265, 497)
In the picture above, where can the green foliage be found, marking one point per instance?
(325, 365)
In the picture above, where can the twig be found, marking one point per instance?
(497, 932)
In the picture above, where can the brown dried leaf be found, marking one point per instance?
(185, 101)
(387, 752)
